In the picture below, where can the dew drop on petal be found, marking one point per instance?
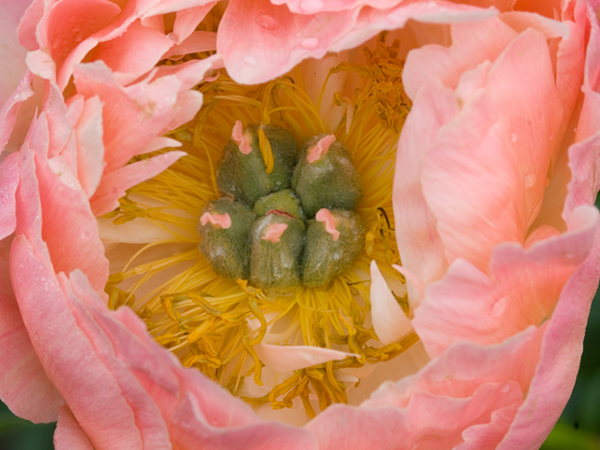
(505, 388)
(529, 180)
(513, 137)
(251, 61)
(267, 22)
(310, 43)
(172, 36)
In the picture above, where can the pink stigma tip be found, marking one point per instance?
(274, 232)
(218, 220)
(315, 152)
(238, 136)
(325, 216)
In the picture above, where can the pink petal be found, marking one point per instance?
(416, 227)
(10, 109)
(584, 154)
(133, 116)
(133, 53)
(559, 360)
(67, 23)
(90, 149)
(507, 160)
(53, 205)
(12, 54)
(28, 25)
(114, 185)
(284, 358)
(281, 38)
(68, 434)
(107, 401)
(9, 179)
(24, 385)
(467, 305)
(198, 41)
(187, 20)
(389, 321)
(466, 53)
(197, 412)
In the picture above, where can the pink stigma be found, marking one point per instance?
(274, 232)
(218, 220)
(238, 136)
(315, 152)
(325, 216)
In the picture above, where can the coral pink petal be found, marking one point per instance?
(280, 39)
(198, 41)
(316, 6)
(9, 180)
(467, 305)
(190, 73)
(325, 216)
(466, 53)
(68, 434)
(198, 413)
(107, 401)
(559, 360)
(274, 232)
(28, 24)
(585, 182)
(133, 116)
(24, 385)
(12, 54)
(90, 148)
(114, 185)
(508, 160)
(51, 203)
(133, 53)
(428, 421)
(66, 24)
(284, 358)
(10, 109)
(371, 21)
(416, 228)
(389, 321)
(186, 21)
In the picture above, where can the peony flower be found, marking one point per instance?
(474, 129)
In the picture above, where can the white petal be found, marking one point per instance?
(283, 358)
(389, 320)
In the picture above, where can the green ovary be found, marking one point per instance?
(271, 236)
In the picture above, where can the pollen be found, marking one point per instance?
(216, 318)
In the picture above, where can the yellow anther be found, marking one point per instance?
(259, 315)
(265, 149)
(200, 330)
(256, 359)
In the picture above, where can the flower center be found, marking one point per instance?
(228, 328)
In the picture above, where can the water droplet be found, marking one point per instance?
(17, 96)
(172, 36)
(267, 22)
(513, 137)
(310, 43)
(251, 61)
(505, 388)
(86, 234)
(529, 180)
(311, 6)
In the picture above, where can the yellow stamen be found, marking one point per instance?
(206, 320)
